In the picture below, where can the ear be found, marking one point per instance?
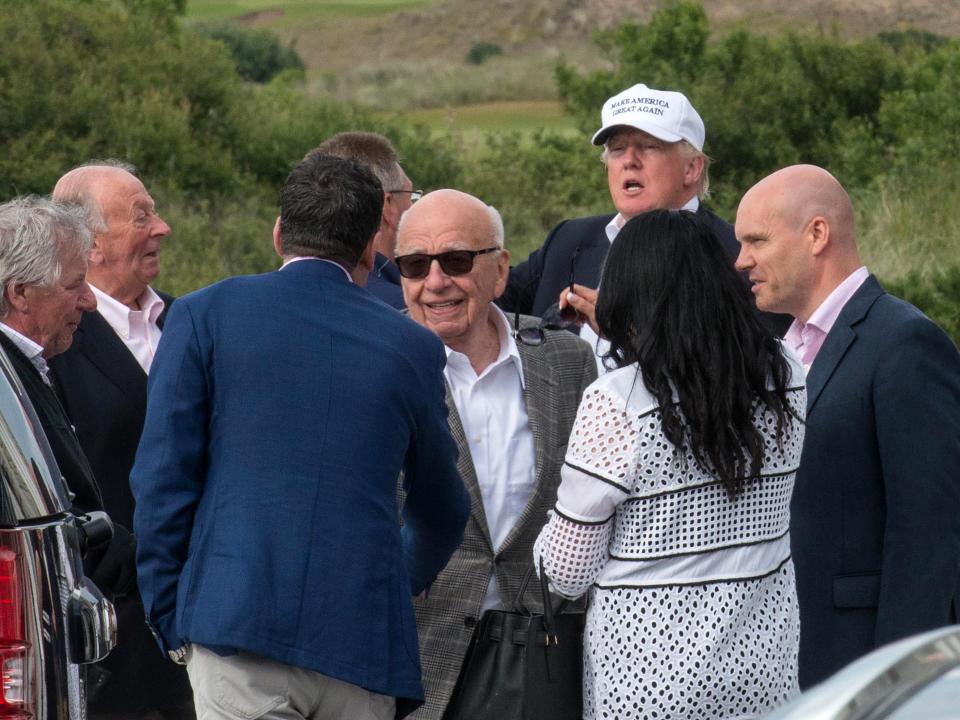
(95, 253)
(693, 170)
(277, 242)
(16, 295)
(390, 217)
(818, 233)
(503, 272)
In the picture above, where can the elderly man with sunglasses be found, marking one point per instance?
(653, 152)
(512, 391)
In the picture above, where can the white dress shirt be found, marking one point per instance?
(600, 345)
(494, 417)
(137, 329)
(32, 350)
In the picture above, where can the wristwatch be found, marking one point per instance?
(179, 656)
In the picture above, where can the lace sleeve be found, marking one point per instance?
(597, 475)
(573, 553)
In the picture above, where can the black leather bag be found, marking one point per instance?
(523, 666)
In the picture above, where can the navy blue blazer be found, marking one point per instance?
(384, 282)
(535, 284)
(281, 409)
(875, 515)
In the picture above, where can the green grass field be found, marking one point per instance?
(284, 11)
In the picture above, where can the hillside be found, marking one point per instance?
(446, 29)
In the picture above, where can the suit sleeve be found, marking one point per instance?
(168, 475)
(436, 505)
(917, 405)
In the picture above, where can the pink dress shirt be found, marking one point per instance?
(807, 338)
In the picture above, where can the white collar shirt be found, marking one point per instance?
(601, 346)
(300, 258)
(137, 329)
(32, 350)
(494, 417)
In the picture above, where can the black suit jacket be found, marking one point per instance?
(104, 391)
(875, 513)
(536, 283)
(67, 452)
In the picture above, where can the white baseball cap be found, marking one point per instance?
(665, 114)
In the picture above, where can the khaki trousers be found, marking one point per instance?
(249, 687)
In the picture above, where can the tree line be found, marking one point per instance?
(83, 79)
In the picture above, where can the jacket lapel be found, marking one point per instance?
(539, 390)
(588, 265)
(98, 342)
(465, 465)
(840, 338)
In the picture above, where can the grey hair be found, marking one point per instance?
(493, 215)
(36, 236)
(74, 190)
(496, 225)
(689, 152)
(373, 150)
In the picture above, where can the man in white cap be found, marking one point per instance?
(653, 150)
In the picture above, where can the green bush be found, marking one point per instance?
(113, 78)
(481, 51)
(258, 54)
(938, 296)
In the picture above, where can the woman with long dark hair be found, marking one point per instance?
(674, 505)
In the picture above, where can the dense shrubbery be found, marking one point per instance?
(124, 78)
(258, 54)
(114, 78)
(478, 54)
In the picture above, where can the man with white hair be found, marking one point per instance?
(43, 266)
(102, 382)
(653, 152)
(512, 394)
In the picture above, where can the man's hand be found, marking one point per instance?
(584, 301)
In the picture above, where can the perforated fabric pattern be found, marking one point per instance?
(716, 645)
(577, 553)
(711, 651)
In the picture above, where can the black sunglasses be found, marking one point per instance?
(416, 266)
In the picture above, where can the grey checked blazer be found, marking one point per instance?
(555, 375)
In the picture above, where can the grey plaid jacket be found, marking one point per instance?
(555, 375)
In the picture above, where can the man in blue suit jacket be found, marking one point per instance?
(876, 507)
(281, 409)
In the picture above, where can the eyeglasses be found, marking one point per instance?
(414, 194)
(416, 266)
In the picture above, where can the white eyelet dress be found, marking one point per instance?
(693, 608)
